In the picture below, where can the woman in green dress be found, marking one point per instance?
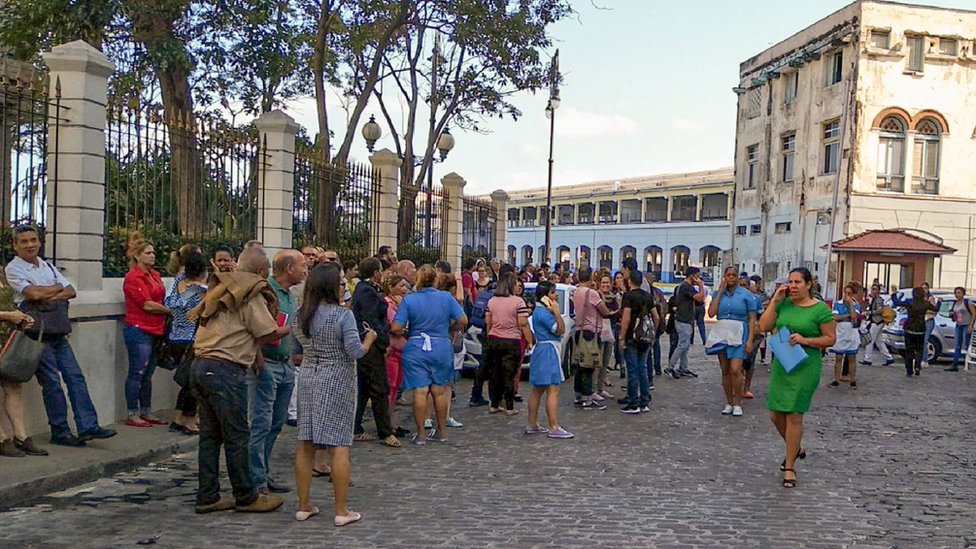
(811, 324)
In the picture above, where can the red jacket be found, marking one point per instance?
(139, 287)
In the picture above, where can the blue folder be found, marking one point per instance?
(789, 356)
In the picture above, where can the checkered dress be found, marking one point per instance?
(326, 381)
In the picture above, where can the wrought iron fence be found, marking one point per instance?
(420, 224)
(334, 205)
(177, 182)
(30, 118)
(478, 228)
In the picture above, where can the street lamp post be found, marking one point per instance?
(551, 115)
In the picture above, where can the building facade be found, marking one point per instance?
(668, 222)
(861, 124)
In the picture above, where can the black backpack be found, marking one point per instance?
(644, 331)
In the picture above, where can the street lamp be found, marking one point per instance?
(445, 142)
(372, 132)
(551, 115)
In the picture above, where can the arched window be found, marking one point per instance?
(708, 256)
(680, 258)
(511, 255)
(653, 259)
(627, 251)
(583, 256)
(542, 254)
(925, 157)
(526, 254)
(564, 256)
(891, 154)
(605, 257)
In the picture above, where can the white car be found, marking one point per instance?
(472, 343)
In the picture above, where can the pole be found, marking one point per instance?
(833, 211)
(428, 237)
(552, 127)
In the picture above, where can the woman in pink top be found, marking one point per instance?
(396, 288)
(506, 322)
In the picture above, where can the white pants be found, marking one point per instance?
(876, 341)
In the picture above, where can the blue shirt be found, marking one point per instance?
(737, 305)
(544, 324)
(181, 329)
(428, 311)
(841, 309)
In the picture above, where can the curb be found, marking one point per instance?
(33, 489)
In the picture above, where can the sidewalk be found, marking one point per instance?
(27, 478)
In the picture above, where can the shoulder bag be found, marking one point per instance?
(587, 353)
(21, 356)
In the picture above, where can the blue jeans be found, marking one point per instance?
(654, 360)
(140, 345)
(962, 344)
(685, 331)
(221, 389)
(638, 386)
(268, 396)
(929, 326)
(58, 362)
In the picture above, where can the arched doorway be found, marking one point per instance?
(583, 255)
(512, 255)
(605, 257)
(653, 260)
(526, 254)
(680, 259)
(708, 256)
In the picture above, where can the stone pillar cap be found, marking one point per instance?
(386, 156)
(453, 180)
(78, 56)
(276, 121)
(500, 196)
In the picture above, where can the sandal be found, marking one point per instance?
(789, 482)
(364, 437)
(802, 454)
(391, 441)
(320, 473)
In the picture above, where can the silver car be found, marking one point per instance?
(941, 343)
(472, 342)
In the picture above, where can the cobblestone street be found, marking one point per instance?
(890, 465)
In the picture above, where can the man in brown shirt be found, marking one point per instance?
(235, 319)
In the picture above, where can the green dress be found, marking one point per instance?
(792, 392)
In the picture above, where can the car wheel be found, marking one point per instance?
(934, 348)
(568, 360)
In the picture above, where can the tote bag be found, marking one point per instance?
(20, 357)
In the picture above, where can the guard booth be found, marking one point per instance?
(893, 257)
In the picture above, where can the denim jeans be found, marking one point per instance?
(58, 362)
(653, 360)
(929, 326)
(962, 344)
(221, 389)
(138, 384)
(680, 356)
(699, 323)
(269, 394)
(638, 388)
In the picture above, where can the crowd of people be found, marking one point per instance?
(304, 339)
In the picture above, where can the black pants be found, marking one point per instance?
(374, 385)
(673, 339)
(221, 388)
(913, 352)
(186, 403)
(502, 358)
(583, 382)
(481, 374)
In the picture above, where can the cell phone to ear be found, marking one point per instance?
(546, 301)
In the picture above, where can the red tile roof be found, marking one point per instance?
(891, 241)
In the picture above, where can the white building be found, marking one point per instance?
(667, 222)
(855, 137)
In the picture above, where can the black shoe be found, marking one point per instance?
(479, 402)
(401, 432)
(657, 372)
(274, 486)
(578, 403)
(594, 405)
(97, 432)
(688, 373)
(889, 362)
(834, 383)
(67, 440)
(672, 373)
(630, 410)
(623, 400)
(918, 371)
(853, 385)
(909, 373)
(518, 398)
(177, 428)
(28, 447)
(292, 422)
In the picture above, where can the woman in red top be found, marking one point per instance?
(145, 323)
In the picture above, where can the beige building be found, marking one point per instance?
(667, 222)
(856, 138)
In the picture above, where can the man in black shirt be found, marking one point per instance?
(637, 305)
(687, 295)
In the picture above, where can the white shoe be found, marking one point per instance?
(453, 423)
(428, 423)
(737, 411)
(727, 410)
(925, 364)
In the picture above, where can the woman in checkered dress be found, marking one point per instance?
(329, 344)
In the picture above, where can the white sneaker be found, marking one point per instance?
(453, 423)
(727, 410)
(925, 364)
(737, 411)
(428, 423)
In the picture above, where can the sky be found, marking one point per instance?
(647, 89)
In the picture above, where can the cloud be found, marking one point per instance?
(688, 125)
(532, 151)
(572, 122)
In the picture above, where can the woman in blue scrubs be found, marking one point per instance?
(732, 337)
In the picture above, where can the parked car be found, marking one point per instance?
(472, 343)
(941, 343)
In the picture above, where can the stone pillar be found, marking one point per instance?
(670, 206)
(276, 180)
(386, 167)
(76, 182)
(499, 200)
(643, 203)
(699, 200)
(452, 218)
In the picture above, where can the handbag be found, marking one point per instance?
(20, 357)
